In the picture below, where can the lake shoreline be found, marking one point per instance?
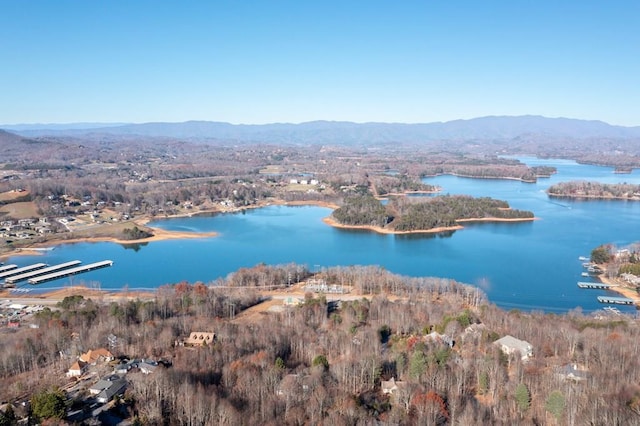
(332, 222)
(591, 197)
(159, 234)
(621, 289)
(484, 177)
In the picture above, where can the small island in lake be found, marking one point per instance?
(595, 190)
(437, 214)
(505, 169)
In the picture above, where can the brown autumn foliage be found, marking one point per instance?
(262, 371)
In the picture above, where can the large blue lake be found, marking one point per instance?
(529, 266)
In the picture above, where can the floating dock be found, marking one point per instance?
(72, 271)
(595, 285)
(38, 272)
(6, 268)
(615, 300)
(12, 272)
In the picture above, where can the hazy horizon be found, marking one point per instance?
(90, 125)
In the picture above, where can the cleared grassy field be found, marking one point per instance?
(22, 210)
(12, 195)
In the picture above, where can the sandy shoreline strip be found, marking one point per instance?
(332, 222)
(57, 295)
(158, 235)
(621, 288)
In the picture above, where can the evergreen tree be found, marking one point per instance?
(48, 404)
(523, 398)
(417, 364)
(8, 418)
(555, 404)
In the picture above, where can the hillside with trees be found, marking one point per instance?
(327, 361)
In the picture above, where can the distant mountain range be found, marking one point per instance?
(338, 132)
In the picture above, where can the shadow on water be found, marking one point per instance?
(134, 246)
(425, 235)
(414, 236)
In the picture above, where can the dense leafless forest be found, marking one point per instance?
(325, 361)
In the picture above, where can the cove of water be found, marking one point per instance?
(528, 266)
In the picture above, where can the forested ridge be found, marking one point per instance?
(402, 214)
(390, 185)
(323, 362)
(586, 189)
(491, 171)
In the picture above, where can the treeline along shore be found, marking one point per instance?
(436, 214)
(595, 190)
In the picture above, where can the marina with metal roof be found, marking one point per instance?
(71, 271)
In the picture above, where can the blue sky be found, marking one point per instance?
(294, 61)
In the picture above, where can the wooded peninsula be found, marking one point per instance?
(414, 215)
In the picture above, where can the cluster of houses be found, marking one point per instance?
(509, 345)
(304, 181)
(631, 279)
(321, 286)
(92, 357)
(115, 383)
(24, 228)
(13, 314)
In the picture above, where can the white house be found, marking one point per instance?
(510, 345)
(77, 369)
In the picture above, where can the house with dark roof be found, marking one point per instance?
(100, 385)
(147, 366)
(117, 387)
(573, 372)
(124, 367)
